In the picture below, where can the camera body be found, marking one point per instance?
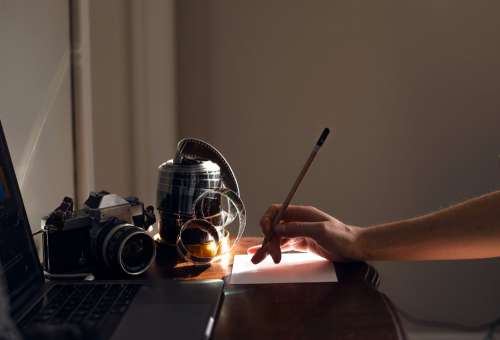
(108, 233)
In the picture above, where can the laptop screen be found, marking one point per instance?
(18, 256)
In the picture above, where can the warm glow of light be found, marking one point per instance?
(212, 247)
(224, 245)
(294, 267)
(225, 260)
(288, 260)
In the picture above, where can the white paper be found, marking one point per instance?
(294, 267)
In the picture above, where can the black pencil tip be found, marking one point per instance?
(323, 136)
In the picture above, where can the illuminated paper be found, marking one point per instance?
(294, 267)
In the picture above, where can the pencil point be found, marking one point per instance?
(323, 136)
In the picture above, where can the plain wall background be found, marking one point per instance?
(35, 100)
(410, 89)
(124, 80)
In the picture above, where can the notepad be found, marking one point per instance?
(294, 267)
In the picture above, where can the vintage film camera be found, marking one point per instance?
(201, 213)
(109, 233)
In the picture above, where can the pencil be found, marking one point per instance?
(295, 185)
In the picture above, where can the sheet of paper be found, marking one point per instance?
(294, 267)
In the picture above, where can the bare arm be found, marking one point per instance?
(464, 231)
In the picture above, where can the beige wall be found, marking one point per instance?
(110, 55)
(35, 100)
(124, 66)
(410, 89)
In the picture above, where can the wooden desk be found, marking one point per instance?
(349, 309)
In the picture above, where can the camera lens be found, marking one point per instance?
(136, 253)
(129, 249)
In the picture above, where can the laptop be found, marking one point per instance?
(157, 309)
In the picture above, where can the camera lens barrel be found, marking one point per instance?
(127, 248)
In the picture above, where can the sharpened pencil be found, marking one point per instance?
(296, 184)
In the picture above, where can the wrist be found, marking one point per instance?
(359, 244)
(379, 242)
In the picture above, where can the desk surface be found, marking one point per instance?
(349, 309)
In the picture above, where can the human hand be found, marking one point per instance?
(305, 228)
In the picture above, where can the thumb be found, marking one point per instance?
(299, 229)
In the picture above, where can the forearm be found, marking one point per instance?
(468, 230)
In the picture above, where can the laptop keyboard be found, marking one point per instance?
(88, 303)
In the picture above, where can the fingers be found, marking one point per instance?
(292, 213)
(313, 230)
(306, 223)
(287, 244)
(275, 248)
(303, 244)
(272, 248)
(260, 254)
